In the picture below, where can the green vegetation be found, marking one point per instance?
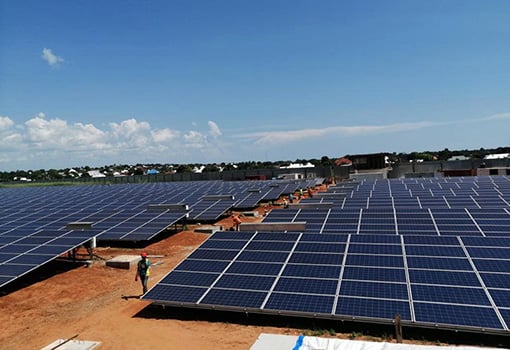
(318, 332)
(355, 335)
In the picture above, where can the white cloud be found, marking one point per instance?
(52, 59)
(281, 137)
(5, 123)
(57, 133)
(499, 116)
(164, 135)
(195, 139)
(214, 130)
(129, 128)
(44, 141)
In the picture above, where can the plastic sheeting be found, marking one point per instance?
(286, 342)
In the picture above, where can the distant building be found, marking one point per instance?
(493, 171)
(458, 158)
(95, 173)
(497, 156)
(343, 162)
(297, 166)
(370, 161)
(198, 169)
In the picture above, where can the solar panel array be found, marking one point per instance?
(34, 220)
(22, 251)
(441, 222)
(435, 251)
(121, 212)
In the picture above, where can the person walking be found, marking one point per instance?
(143, 271)
(237, 221)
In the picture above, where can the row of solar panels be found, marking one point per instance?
(435, 251)
(34, 223)
(121, 211)
(451, 281)
(26, 250)
(463, 222)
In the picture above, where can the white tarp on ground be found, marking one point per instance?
(287, 342)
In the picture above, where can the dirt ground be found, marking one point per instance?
(88, 302)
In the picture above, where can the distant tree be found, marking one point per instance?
(138, 170)
(211, 168)
(227, 167)
(326, 162)
(54, 174)
(444, 154)
(184, 168)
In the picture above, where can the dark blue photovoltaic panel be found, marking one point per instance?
(492, 265)
(489, 253)
(14, 269)
(6, 257)
(29, 259)
(324, 238)
(66, 241)
(190, 278)
(202, 265)
(240, 235)
(320, 247)
(251, 268)
(374, 290)
(420, 262)
(263, 256)
(245, 282)
(263, 245)
(501, 297)
(388, 249)
(495, 280)
(300, 302)
(444, 278)
(284, 237)
(373, 308)
(27, 240)
(375, 260)
(297, 268)
(175, 293)
(219, 244)
(9, 239)
(375, 239)
(15, 248)
(456, 315)
(213, 254)
(431, 240)
(227, 297)
(505, 313)
(451, 295)
(316, 258)
(374, 274)
(317, 271)
(434, 251)
(307, 285)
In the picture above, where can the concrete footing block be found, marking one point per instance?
(123, 261)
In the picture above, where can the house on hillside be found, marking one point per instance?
(95, 173)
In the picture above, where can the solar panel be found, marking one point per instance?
(370, 278)
(26, 254)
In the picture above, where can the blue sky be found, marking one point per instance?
(103, 82)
